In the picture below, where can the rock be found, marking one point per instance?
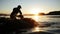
(7, 24)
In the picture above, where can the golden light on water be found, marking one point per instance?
(37, 29)
(36, 18)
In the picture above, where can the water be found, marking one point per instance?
(46, 18)
(52, 20)
(48, 23)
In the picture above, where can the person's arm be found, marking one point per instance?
(20, 12)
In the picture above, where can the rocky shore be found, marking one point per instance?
(8, 25)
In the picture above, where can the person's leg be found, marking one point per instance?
(12, 16)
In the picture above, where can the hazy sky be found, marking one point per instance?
(6, 6)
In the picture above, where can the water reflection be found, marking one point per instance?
(39, 18)
(36, 18)
(44, 18)
(37, 29)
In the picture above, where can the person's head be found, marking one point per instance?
(19, 6)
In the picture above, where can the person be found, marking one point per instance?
(15, 12)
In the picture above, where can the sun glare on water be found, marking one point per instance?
(37, 29)
(36, 18)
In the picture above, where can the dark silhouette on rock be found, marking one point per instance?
(15, 12)
(54, 13)
(8, 25)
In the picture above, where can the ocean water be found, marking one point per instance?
(48, 23)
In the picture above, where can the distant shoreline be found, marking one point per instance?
(54, 13)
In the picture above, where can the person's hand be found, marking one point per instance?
(21, 16)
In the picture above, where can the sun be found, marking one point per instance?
(35, 10)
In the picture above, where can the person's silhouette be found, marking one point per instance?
(15, 12)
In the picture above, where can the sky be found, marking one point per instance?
(6, 6)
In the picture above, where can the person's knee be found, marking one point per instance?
(12, 17)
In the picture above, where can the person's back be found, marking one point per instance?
(15, 12)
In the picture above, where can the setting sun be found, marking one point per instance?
(35, 10)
